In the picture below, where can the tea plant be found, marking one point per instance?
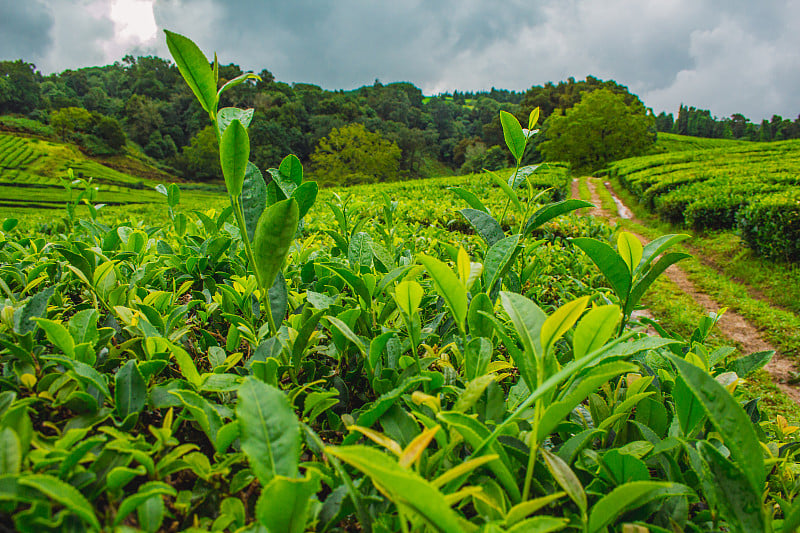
(229, 371)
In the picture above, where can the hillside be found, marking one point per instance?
(672, 142)
(33, 173)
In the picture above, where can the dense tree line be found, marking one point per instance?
(700, 123)
(144, 100)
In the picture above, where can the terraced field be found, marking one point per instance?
(33, 172)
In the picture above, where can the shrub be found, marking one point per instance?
(771, 225)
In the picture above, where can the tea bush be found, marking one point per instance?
(229, 370)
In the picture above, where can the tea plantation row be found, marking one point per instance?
(752, 187)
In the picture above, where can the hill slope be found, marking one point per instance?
(33, 172)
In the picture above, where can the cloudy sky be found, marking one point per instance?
(724, 55)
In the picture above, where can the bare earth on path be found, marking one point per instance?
(732, 325)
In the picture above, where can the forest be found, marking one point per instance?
(144, 100)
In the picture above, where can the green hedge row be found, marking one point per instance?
(752, 188)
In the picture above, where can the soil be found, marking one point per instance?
(731, 325)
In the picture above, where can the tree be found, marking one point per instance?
(351, 155)
(20, 92)
(200, 160)
(601, 128)
(68, 120)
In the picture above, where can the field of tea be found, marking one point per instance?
(456, 354)
(751, 187)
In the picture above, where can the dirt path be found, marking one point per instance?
(732, 325)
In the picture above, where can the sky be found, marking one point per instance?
(728, 56)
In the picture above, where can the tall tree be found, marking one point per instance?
(601, 128)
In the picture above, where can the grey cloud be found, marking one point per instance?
(25, 29)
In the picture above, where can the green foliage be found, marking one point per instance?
(600, 129)
(241, 370)
(741, 186)
(351, 155)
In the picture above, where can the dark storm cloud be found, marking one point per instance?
(724, 55)
(24, 29)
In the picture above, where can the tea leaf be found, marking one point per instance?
(269, 430)
(730, 420)
(630, 249)
(594, 329)
(506, 188)
(284, 503)
(565, 477)
(227, 115)
(306, 195)
(234, 151)
(145, 492)
(522, 510)
(403, 487)
(130, 391)
(561, 321)
(469, 197)
(512, 132)
(195, 69)
(63, 493)
(449, 288)
(498, 260)
(484, 225)
(551, 211)
(253, 198)
(609, 262)
(738, 501)
(202, 411)
(291, 169)
(273, 236)
(528, 319)
(408, 295)
(631, 496)
(10, 451)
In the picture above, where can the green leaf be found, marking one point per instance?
(145, 492)
(609, 262)
(565, 477)
(630, 249)
(355, 282)
(404, 487)
(688, 408)
(474, 432)
(561, 320)
(655, 247)
(63, 493)
(284, 503)
(512, 132)
(10, 451)
(253, 198)
(36, 306)
(558, 411)
(185, 363)
(306, 195)
(623, 468)
(195, 69)
(522, 510)
(477, 356)
(506, 188)
(408, 295)
(273, 237)
(738, 501)
(236, 81)
(303, 336)
(551, 211)
(729, 418)
(269, 430)
(202, 411)
(449, 288)
(58, 335)
(227, 115)
(130, 390)
(345, 330)
(539, 524)
(644, 283)
(498, 260)
(479, 324)
(472, 393)
(528, 319)
(631, 496)
(744, 366)
(594, 329)
(291, 169)
(473, 201)
(234, 152)
(484, 225)
(360, 250)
